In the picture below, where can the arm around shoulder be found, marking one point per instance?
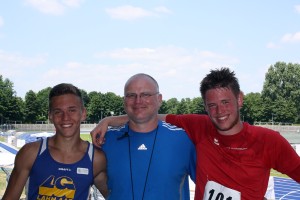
(23, 164)
(98, 133)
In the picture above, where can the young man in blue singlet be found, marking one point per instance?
(63, 166)
(147, 158)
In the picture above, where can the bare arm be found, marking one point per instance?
(100, 175)
(99, 131)
(23, 163)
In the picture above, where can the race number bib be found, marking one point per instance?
(216, 191)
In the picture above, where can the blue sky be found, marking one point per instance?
(97, 45)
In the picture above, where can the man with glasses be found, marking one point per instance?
(147, 158)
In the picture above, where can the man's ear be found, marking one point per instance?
(50, 117)
(240, 99)
(160, 99)
(84, 114)
(205, 108)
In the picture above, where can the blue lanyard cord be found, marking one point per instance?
(132, 190)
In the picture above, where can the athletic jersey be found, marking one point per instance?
(148, 166)
(49, 179)
(237, 166)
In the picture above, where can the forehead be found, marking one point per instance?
(140, 83)
(220, 93)
(65, 101)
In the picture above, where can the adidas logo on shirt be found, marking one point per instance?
(142, 147)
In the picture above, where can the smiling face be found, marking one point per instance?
(67, 113)
(142, 99)
(223, 108)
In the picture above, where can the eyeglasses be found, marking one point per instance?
(143, 96)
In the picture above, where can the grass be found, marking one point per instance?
(278, 174)
(86, 137)
(2, 183)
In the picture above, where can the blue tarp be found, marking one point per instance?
(8, 148)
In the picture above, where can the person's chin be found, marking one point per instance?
(222, 126)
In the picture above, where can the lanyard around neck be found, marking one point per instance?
(145, 184)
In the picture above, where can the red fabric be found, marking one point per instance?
(242, 161)
(295, 174)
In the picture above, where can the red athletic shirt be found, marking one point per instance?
(241, 162)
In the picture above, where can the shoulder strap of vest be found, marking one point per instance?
(43, 145)
(91, 151)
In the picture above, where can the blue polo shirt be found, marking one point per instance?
(152, 165)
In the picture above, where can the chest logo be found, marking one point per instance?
(216, 141)
(142, 147)
(60, 188)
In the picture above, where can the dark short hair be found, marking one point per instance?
(62, 89)
(220, 78)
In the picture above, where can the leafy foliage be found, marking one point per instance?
(11, 106)
(32, 107)
(278, 101)
(281, 92)
(252, 109)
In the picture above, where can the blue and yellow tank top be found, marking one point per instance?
(49, 179)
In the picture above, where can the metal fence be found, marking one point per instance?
(289, 132)
(40, 127)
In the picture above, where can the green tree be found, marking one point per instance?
(11, 107)
(253, 108)
(114, 104)
(85, 97)
(285, 111)
(42, 98)
(16, 110)
(183, 106)
(172, 106)
(32, 107)
(197, 106)
(163, 108)
(103, 105)
(282, 86)
(95, 107)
